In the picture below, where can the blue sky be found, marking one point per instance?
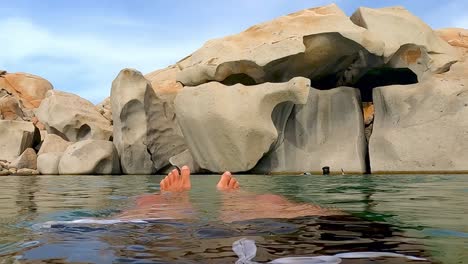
(80, 46)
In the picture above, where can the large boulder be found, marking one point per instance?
(105, 109)
(230, 127)
(27, 160)
(47, 163)
(15, 137)
(128, 94)
(10, 109)
(396, 27)
(28, 88)
(327, 131)
(72, 117)
(311, 43)
(90, 157)
(457, 37)
(53, 143)
(421, 127)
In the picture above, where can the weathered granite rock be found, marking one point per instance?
(164, 137)
(128, 94)
(421, 127)
(72, 117)
(47, 163)
(164, 82)
(27, 160)
(310, 43)
(327, 131)
(232, 128)
(396, 26)
(26, 172)
(10, 109)
(457, 37)
(15, 137)
(53, 143)
(28, 88)
(105, 109)
(90, 157)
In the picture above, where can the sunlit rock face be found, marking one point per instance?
(424, 127)
(72, 117)
(29, 89)
(230, 127)
(372, 48)
(291, 95)
(326, 131)
(15, 137)
(145, 131)
(90, 157)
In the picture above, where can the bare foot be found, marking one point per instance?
(175, 182)
(173, 201)
(227, 182)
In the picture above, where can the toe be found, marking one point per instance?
(232, 183)
(185, 172)
(162, 185)
(224, 180)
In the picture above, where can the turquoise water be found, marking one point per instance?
(419, 215)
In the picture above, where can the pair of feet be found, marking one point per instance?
(177, 181)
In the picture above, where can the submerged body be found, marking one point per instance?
(173, 202)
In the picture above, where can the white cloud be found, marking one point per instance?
(79, 59)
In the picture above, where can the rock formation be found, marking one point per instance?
(232, 128)
(128, 95)
(377, 92)
(27, 160)
(90, 157)
(105, 109)
(29, 89)
(73, 118)
(15, 137)
(47, 163)
(53, 143)
(327, 131)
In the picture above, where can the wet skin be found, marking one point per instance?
(173, 202)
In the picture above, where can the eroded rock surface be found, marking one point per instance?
(53, 143)
(47, 163)
(28, 88)
(128, 96)
(90, 157)
(396, 27)
(72, 117)
(327, 131)
(421, 128)
(230, 127)
(309, 43)
(27, 160)
(15, 137)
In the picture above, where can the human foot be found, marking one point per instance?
(227, 182)
(175, 182)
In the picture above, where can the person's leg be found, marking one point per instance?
(172, 202)
(239, 206)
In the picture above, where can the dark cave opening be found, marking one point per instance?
(375, 77)
(241, 78)
(382, 77)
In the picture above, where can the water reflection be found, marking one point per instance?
(413, 215)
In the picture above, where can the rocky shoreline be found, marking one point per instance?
(377, 92)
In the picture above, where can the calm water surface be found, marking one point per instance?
(419, 215)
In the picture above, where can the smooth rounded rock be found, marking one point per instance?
(90, 157)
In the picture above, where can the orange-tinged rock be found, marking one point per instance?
(29, 89)
(457, 37)
(368, 110)
(164, 81)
